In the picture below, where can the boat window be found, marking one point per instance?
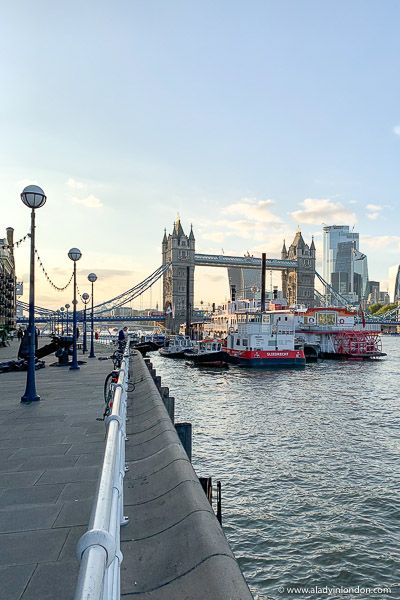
(324, 318)
(285, 318)
(244, 342)
(238, 342)
(265, 319)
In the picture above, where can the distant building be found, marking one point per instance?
(397, 286)
(7, 284)
(384, 298)
(374, 291)
(244, 283)
(344, 267)
(122, 311)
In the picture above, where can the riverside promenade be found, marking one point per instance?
(52, 451)
(51, 454)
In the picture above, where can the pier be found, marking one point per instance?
(52, 450)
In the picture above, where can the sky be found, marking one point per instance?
(249, 119)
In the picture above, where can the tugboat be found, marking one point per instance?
(176, 346)
(264, 339)
(208, 353)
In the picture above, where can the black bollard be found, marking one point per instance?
(169, 402)
(184, 431)
(157, 381)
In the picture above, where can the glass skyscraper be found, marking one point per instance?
(345, 268)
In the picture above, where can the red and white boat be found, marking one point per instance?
(335, 332)
(324, 332)
(262, 339)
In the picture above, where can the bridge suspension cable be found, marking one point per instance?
(341, 299)
(133, 292)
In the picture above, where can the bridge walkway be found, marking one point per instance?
(51, 452)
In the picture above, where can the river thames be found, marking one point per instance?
(309, 465)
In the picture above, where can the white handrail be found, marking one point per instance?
(99, 548)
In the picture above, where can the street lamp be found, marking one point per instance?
(74, 254)
(62, 320)
(67, 306)
(33, 197)
(85, 299)
(92, 278)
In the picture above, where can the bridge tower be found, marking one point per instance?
(298, 284)
(179, 250)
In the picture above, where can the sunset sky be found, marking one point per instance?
(248, 118)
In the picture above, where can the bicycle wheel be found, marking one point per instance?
(107, 387)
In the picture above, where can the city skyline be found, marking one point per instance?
(247, 120)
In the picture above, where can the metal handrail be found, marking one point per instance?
(99, 548)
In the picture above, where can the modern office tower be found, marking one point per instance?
(244, 284)
(345, 268)
(373, 292)
(397, 286)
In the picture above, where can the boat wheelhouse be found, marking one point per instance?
(176, 346)
(208, 352)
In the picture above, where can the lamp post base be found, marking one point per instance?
(27, 399)
(92, 356)
(74, 368)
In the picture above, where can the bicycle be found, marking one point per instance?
(108, 391)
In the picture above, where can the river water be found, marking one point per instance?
(309, 465)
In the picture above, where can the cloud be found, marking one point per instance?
(253, 210)
(254, 221)
(316, 211)
(89, 201)
(389, 243)
(374, 211)
(73, 184)
(396, 130)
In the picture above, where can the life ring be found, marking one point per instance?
(311, 319)
(341, 321)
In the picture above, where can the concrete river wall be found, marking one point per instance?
(173, 546)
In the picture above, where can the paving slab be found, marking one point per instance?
(14, 580)
(50, 457)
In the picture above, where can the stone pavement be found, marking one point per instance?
(51, 454)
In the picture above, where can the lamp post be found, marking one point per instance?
(85, 299)
(74, 254)
(92, 277)
(67, 307)
(33, 197)
(62, 320)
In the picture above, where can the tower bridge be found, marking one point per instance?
(297, 265)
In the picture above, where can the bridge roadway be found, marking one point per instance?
(52, 453)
